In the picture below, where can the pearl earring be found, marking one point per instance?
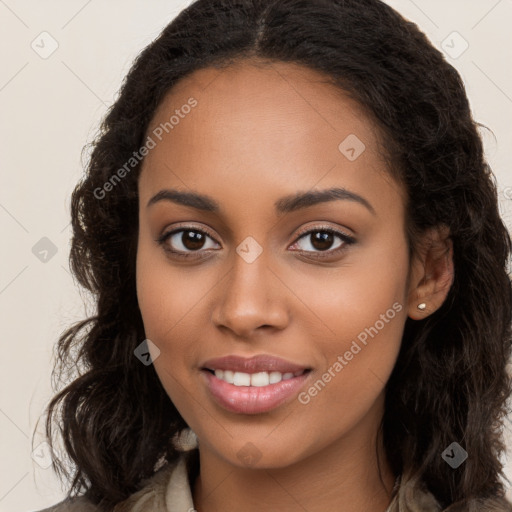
(422, 306)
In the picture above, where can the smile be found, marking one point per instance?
(250, 393)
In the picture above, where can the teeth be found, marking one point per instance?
(241, 379)
(260, 379)
(254, 379)
(275, 377)
(228, 376)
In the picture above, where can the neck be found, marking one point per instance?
(344, 476)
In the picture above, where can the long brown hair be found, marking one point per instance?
(449, 383)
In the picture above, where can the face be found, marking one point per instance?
(268, 265)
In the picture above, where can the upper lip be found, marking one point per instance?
(259, 363)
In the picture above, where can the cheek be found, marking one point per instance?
(170, 301)
(361, 361)
(360, 294)
(168, 296)
(357, 365)
(363, 305)
(163, 301)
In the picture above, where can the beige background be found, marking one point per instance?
(51, 107)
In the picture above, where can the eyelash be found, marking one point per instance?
(347, 240)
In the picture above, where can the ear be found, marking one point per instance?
(431, 272)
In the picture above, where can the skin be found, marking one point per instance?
(259, 133)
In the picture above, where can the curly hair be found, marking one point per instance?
(450, 381)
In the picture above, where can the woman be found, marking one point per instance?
(294, 242)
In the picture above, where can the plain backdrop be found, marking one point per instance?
(62, 65)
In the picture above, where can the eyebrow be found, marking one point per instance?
(283, 205)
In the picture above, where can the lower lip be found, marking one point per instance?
(252, 399)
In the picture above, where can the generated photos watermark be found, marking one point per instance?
(343, 360)
(133, 161)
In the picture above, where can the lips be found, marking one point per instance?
(252, 386)
(255, 364)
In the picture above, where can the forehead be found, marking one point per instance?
(262, 127)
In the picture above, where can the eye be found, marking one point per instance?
(184, 242)
(320, 240)
(187, 242)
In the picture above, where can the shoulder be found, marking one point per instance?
(412, 495)
(169, 488)
(172, 481)
(79, 504)
(483, 505)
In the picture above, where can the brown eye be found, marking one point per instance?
(184, 241)
(323, 242)
(192, 240)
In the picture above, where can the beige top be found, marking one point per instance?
(169, 490)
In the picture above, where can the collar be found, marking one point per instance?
(170, 490)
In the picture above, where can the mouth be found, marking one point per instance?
(259, 392)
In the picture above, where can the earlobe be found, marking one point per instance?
(432, 273)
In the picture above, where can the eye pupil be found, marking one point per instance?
(322, 240)
(192, 239)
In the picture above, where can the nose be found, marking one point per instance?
(251, 298)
